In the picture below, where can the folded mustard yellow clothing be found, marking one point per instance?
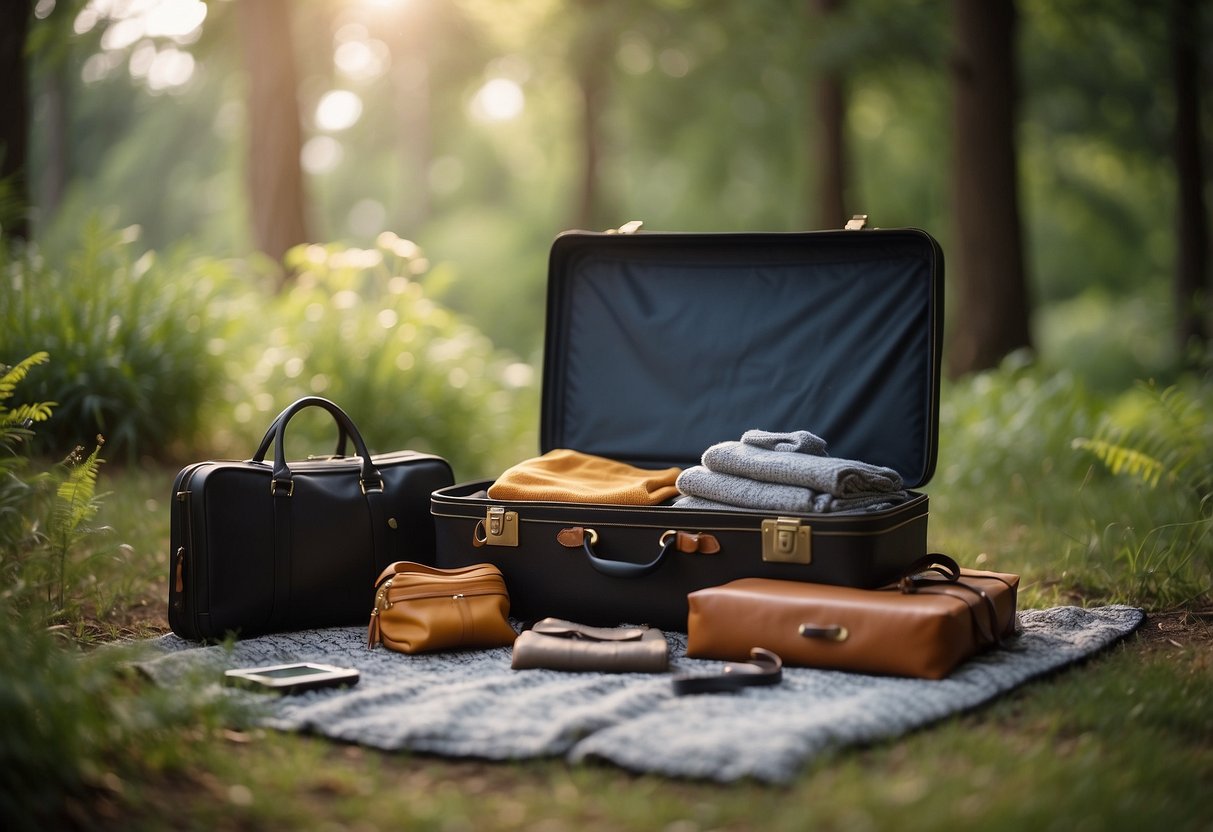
(570, 476)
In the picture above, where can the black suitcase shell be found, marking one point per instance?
(659, 345)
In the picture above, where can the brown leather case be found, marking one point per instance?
(923, 633)
(564, 645)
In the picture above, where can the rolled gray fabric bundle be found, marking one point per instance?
(797, 441)
(840, 477)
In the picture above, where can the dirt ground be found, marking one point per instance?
(1176, 629)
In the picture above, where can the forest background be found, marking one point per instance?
(210, 209)
(1056, 150)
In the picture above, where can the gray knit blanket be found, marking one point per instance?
(471, 704)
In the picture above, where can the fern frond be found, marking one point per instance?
(1184, 411)
(13, 375)
(74, 505)
(1121, 459)
(1171, 439)
(26, 413)
(75, 501)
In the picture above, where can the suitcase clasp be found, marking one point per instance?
(499, 528)
(787, 540)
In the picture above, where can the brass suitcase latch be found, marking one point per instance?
(787, 540)
(498, 528)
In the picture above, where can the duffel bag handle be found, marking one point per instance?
(682, 541)
(264, 446)
(369, 476)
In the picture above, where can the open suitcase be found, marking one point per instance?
(659, 345)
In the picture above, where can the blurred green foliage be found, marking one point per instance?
(704, 122)
(1036, 475)
(356, 326)
(77, 728)
(169, 357)
(124, 328)
(73, 726)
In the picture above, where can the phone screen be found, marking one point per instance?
(287, 672)
(292, 678)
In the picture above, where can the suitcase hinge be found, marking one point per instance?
(787, 540)
(499, 528)
(857, 222)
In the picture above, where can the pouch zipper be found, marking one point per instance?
(407, 594)
(384, 601)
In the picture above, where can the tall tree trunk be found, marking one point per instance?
(592, 61)
(592, 95)
(1192, 260)
(14, 104)
(992, 310)
(55, 173)
(828, 112)
(276, 192)
(411, 80)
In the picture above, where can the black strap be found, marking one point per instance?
(282, 561)
(763, 668)
(918, 579)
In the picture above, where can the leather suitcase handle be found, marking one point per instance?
(688, 542)
(586, 538)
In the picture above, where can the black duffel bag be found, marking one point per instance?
(263, 546)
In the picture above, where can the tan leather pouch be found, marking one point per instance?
(923, 628)
(421, 608)
(563, 645)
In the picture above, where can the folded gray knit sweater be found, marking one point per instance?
(822, 505)
(740, 492)
(842, 478)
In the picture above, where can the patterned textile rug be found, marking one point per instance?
(472, 704)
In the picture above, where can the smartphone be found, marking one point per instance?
(291, 678)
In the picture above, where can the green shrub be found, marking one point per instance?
(43, 515)
(356, 326)
(1124, 514)
(1005, 439)
(1109, 341)
(183, 356)
(71, 725)
(19, 489)
(128, 334)
(1156, 542)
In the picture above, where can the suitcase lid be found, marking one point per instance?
(659, 345)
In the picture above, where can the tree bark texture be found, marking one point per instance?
(591, 58)
(1192, 244)
(828, 112)
(277, 200)
(992, 304)
(14, 104)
